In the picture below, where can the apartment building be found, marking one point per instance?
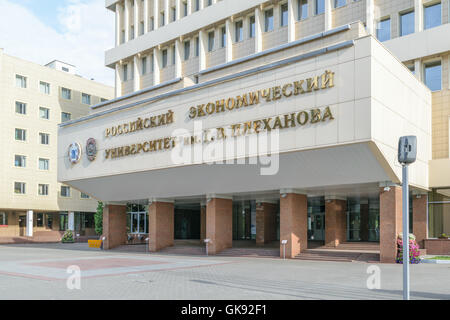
(338, 81)
(34, 99)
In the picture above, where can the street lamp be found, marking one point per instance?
(407, 152)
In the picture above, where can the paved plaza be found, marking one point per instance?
(39, 271)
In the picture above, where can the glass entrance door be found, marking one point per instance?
(316, 226)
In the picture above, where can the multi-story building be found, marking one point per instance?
(339, 82)
(34, 99)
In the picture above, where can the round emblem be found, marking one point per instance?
(91, 149)
(74, 152)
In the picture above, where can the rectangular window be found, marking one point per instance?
(21, 108)
(44, 113)
(319, 7)
(43, 189)
(302, 7)
(131, 70)
(223, 37)
(433, 75)
(44, 164)
(86, 98)
(66, 93)
(141, 28)
(161, 19)
(187, 50)
(84, 196)
(209, 2)
(284, 15)
(252, 25)
(339, 3)
(384, 30)
(144, 65)
(39, 220)
(65, 191)
(65, 116)
(197, 5)
(164, 58)
(406, 23)
(210, 41)
(122, 38)
(21, 81)
(197, 47)
(20, 161)
(174, 14)
(125, 72)
(44, 138)
(44, 87)
(131, 32)
(412, 68)
(239, 27)
(3, 219)
(19, 187)
(432, 16)
(185, 9)
(268, 20)
(152, 63)
(21, 134)
(152, 24)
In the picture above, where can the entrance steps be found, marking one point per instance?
(38, 237)
(250, 252)
(345, 252)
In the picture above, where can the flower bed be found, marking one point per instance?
(414, 251)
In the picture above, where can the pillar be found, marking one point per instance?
(161, 225)
(418, 69)
(203, 222)
(292, 6)
(155, 14)
(137, 73)
(178, 67)
(259, 20)
(189, 7)
(126, 20)
(114, 226)
(118, 82)
(118, 24)
(335, 222)
(178, 9)
(418, 15)
(420, 223)
(219, 226)
(156, 66)
(266, 222)
(293, 223)
(146, 18)
(370, 16)
(29, 223)
(229, 40)
(328, 15)
(136, 18)
(202, 49)
(390, 222)
(364, 228)
(166, 12)
(71, 222)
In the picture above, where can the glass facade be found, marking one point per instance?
(137, 219)
(244, 220)
(187, 222)
(316, 218)
(363, 219)
(439, 213)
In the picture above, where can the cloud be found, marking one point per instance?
(87, 31)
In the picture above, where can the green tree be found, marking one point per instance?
(98, 219)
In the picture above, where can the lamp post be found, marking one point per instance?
(407, 152)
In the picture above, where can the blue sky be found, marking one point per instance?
(75, 31)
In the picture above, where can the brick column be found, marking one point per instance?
(294, 223)
(202, 222)
(161, 225)
(390, 222)
(420, 225)
(335, 222)
(266, 222)
(114, 226)
(219, 226)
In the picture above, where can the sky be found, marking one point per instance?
(74, 31)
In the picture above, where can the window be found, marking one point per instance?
(39, 220)
(125, 72)
(103, 100)
(21, 108)
(65, 69)
(339, 3)
(433, 75)
(141, 28)
(86, 98)
(122, 38)
(384, 30)
(21, 134)
(185, 9)
(223, 37)
(252, 25)
(20, 161)
(3, 219)
(406, 23)
(44, 164)
(65, 191)
(19, 187)
(152, 63)
(209, 2)
(144, 65)
(131, 70)
(152, 24)
(65, 116)
(412, 68)
(43, 189)
(164, 58)
(161, 19)
(210, 41)
(197, 5)
(174, 14)
(284, 15)
(131, 32)
(187, 50)
(197, 47)
(44, 113)
(320, 7)
(21, 81)
(84, 196)
(302, 9)
(44, 87)
(239, 27)
(66, 93)
(432, 16)
(173, 55)
(268, 20)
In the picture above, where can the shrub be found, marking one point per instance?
(414, 251)
(98, 219)
(67, 237)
